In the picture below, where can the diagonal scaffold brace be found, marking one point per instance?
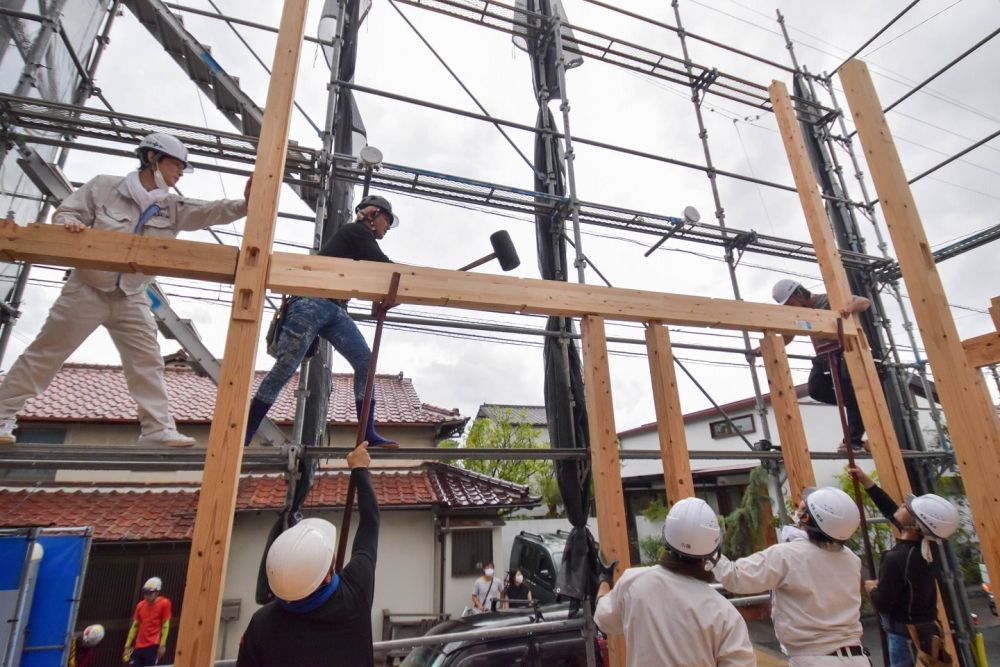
(834, 351)
(379, 310)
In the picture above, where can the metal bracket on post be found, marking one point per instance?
(739, 243)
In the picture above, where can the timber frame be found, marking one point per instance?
(254, 268)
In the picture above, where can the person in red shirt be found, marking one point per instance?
(147, 638)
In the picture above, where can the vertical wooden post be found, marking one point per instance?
(605, 464)
(214, 521)
(867, 386)
(788, 418)
(972, 421)
(669, 417)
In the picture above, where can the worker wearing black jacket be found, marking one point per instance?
(320, 618)
(308, 317)
(905, 592)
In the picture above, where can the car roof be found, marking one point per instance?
(496, 619)
(554, 541)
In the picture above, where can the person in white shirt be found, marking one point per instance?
(486, 589)
(815, 584)
(669, 614)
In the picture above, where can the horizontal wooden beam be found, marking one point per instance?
(114, 251)
(310, 275)
(983, 350)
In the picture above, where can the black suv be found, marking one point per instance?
(539, 556)
(565, 648)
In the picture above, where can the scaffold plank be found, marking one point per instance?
(972, 420)
(669, 415)
(787, 416)
(213, 526)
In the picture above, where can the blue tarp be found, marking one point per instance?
(53, 602)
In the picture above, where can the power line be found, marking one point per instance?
(878, 34)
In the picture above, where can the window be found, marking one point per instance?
(41, 435)
(512, 655)
(470, 549)
(722, 428)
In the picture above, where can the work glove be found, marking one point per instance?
(605, 571)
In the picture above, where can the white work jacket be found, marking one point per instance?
(673, 620)
(104, 202)
(816, 605)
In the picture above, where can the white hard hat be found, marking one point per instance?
(153, 584)
(300, 559)
(168, 144)
(835, 513)
(692, 528)
(92, 634)
(784, 289)
(937, 516)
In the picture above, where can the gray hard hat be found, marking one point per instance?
(380, 203)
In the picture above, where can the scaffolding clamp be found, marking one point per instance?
(739, 243)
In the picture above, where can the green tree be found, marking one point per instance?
(879, 533)
(509, 431)
(742, 527)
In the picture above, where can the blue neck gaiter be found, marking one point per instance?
(314, 601)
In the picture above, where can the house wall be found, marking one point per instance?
(405, 575)
(823, 431)
(458, 590)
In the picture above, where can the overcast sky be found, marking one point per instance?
(608, 104)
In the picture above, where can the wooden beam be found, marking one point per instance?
(787, 416)
(972, 419)
(310, 275)
(608, 495)
(344, 278)
(867, 385)
(669, 416)
(995, 311)
(983, 350)
(114, 251)
(217, 500)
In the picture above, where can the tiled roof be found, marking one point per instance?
(168, 514)
(535, 415)
(93, 393)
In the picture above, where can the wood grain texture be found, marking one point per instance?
(983, 350)
(972, 420)
(867, 386)
(217, 500)
(787, 416)
(606, 466)
(669, 416)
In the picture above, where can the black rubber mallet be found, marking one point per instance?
(503, 251)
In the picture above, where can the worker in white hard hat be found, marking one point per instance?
(139, 203)
(81, 650)
(308, 318)
(146, 643)
(668, 612)
(792, 293)
(319, 617)
(905, 593)
(815, 584)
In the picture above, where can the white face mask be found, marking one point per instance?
(519, 579)
(797, 517)
(161, 183)
(488, 572)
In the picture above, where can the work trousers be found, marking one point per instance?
(76, 314)
(306, 318)
(144, 656)
(821, 389)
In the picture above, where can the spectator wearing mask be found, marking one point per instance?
(517, 593)
(485, 590)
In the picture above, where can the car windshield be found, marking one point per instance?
(423, 656)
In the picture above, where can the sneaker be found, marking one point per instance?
(168, 437)
(7, 427)
(856, 449)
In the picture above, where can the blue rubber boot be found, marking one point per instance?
(258, 409)
(373, 438)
